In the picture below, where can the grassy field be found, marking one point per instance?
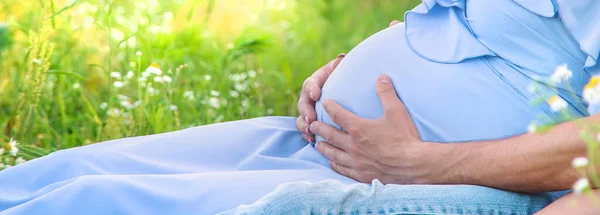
(79, 72)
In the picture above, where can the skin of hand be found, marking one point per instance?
(391, 150)
(388, 148)
(311, 93)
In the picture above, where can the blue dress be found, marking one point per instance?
(462, 68)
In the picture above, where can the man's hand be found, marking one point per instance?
(388, 148)
(310, 94)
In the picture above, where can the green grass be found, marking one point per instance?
(239, 59)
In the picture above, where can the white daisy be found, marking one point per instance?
(189, 95)
(167, 79)
(234, 93)
(591, 91)
(103, 105)
(116, 75)
(76, 86)
(118, 84)
(580, 162)
(154, 68)
(207, 77)
(19, 160)
(214, 102)
(122, 97)
(532, 128)
(113, 112)
(12, 147)
(562, 73)
(557, 104)
(214, 93)
(159, 79)
(129, 75)
(173, 107)
(138, 53)
(581, 185)
(251, 73)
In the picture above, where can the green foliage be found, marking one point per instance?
(71, 75)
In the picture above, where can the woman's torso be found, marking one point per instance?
(483, 97)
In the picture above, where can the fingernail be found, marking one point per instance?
(312, 127)
(384, 79)
(341, 55)
(307, 122)
(312, 96)
(306, 130)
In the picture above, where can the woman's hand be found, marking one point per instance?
(389, 148)
(310, 94)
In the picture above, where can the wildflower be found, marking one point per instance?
(138, 53)
(129, 75)
(76, 86)
(234, 93)
(557, 104)
(122, 97)
(118, 84)
(189, 95)
(269, 111)
(1, 166)
(591, 91)
(207, 77)
(251, 73)
(152, 91)
(142, 79)
(19, 160)
(214, 102)
(580, 162)
(116, 75)
(1, 151)
(245, 103)
(562, 73)
(114, 112)
(532, 128)
(167, 78)
(154, 68)
(127, 105)
(214, 93)
(581, 185)
(173, 107)
(12, 147)
(37, 61)
(158, 79)
(241, 87)
(103, 105)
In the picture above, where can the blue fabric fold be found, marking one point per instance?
(442, 24)
(447, 28)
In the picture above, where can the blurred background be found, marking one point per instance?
(78, 72)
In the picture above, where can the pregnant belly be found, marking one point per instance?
(447, 102)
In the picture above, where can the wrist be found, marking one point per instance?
(445, 162)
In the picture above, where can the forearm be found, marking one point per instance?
(524, 163)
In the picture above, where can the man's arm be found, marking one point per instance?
(525, 163)
(389, 149)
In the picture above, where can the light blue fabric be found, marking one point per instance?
(462, 68)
